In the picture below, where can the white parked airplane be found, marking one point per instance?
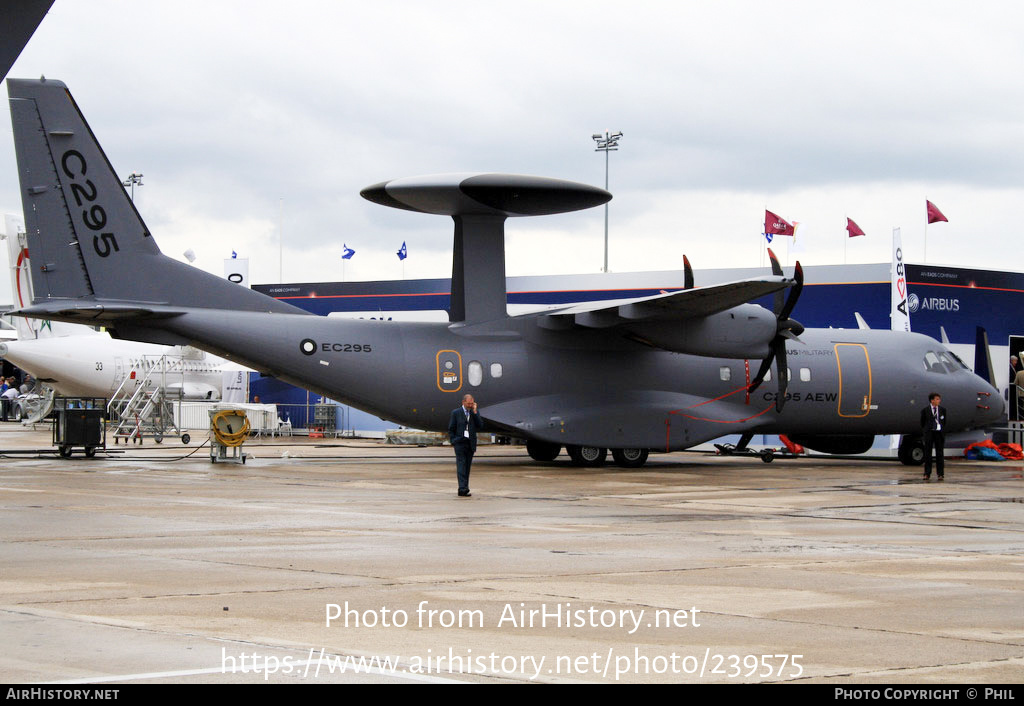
(79, 361)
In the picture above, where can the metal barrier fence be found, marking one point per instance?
(330, 419)
(196, 415)
(270, 419)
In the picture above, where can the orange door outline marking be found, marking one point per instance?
(440, 372)
(866, 406)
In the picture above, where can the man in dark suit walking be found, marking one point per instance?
(462, 428)
(933, 427)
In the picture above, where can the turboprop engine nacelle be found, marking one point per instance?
(745, 331)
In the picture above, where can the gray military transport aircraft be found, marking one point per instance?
(663, 372)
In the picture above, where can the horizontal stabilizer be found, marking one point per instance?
(92, 314)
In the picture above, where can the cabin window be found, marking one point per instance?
(725, 372)
(475, 372)
(495, 370)
(805, 374)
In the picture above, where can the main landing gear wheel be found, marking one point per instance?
(64, 451)
(587, 455)
(185, 438)
(543, 451)
(911, 451)
(630, 458)
(767, 455)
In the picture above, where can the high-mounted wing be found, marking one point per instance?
(682, 304)
(713, 321)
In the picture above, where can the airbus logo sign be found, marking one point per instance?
(933, 304)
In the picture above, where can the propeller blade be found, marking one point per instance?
(777, 271)
(687, 273)
(794, 293)
(786, 328)
(766, 365)
(782, 369)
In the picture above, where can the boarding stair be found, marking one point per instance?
(141, 405)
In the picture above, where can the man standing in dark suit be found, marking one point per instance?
(933, 426)
(462, 428)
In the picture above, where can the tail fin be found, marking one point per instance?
(86, 238)
(21, 288)
(983, 357)
(21, 19)
(82, 227)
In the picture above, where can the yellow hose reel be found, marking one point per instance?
(230, 427)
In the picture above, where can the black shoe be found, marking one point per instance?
(465, 494)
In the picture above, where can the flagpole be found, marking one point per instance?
(846, 240)
(927, 218)
(763, 239)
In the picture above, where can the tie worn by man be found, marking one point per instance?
(462, 428)
(933, 428)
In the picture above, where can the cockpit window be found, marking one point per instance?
(932, 363)
(947, 360)
(959, 361)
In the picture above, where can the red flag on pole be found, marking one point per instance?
(934, 214)
(853, 229)
(777, 226)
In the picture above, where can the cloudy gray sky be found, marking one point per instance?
(257, 120)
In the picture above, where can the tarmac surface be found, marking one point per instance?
(151, 565)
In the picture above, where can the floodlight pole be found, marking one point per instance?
(131, 181)
(608, 142)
